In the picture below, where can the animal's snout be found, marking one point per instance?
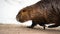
(19, 20)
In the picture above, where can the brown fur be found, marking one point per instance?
(43, 12)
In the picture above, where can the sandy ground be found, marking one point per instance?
(17, 29)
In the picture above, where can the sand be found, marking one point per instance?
(17, 29)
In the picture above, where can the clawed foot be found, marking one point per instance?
(44, 27)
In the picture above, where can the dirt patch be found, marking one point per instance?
(17, 29)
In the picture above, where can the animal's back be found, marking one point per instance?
(51, 10)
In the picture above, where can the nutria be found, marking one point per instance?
(43, 12)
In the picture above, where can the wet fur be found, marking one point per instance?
(43, 12)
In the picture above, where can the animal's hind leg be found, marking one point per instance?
(57, 23)
(33, 24)
(53, 26)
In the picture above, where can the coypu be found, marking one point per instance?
(43, 12)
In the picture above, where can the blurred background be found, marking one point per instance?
(8, 11)
(10, 8)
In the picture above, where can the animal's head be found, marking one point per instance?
(29, 13)
(24, 15)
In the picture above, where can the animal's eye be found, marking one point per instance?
(23, 10)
